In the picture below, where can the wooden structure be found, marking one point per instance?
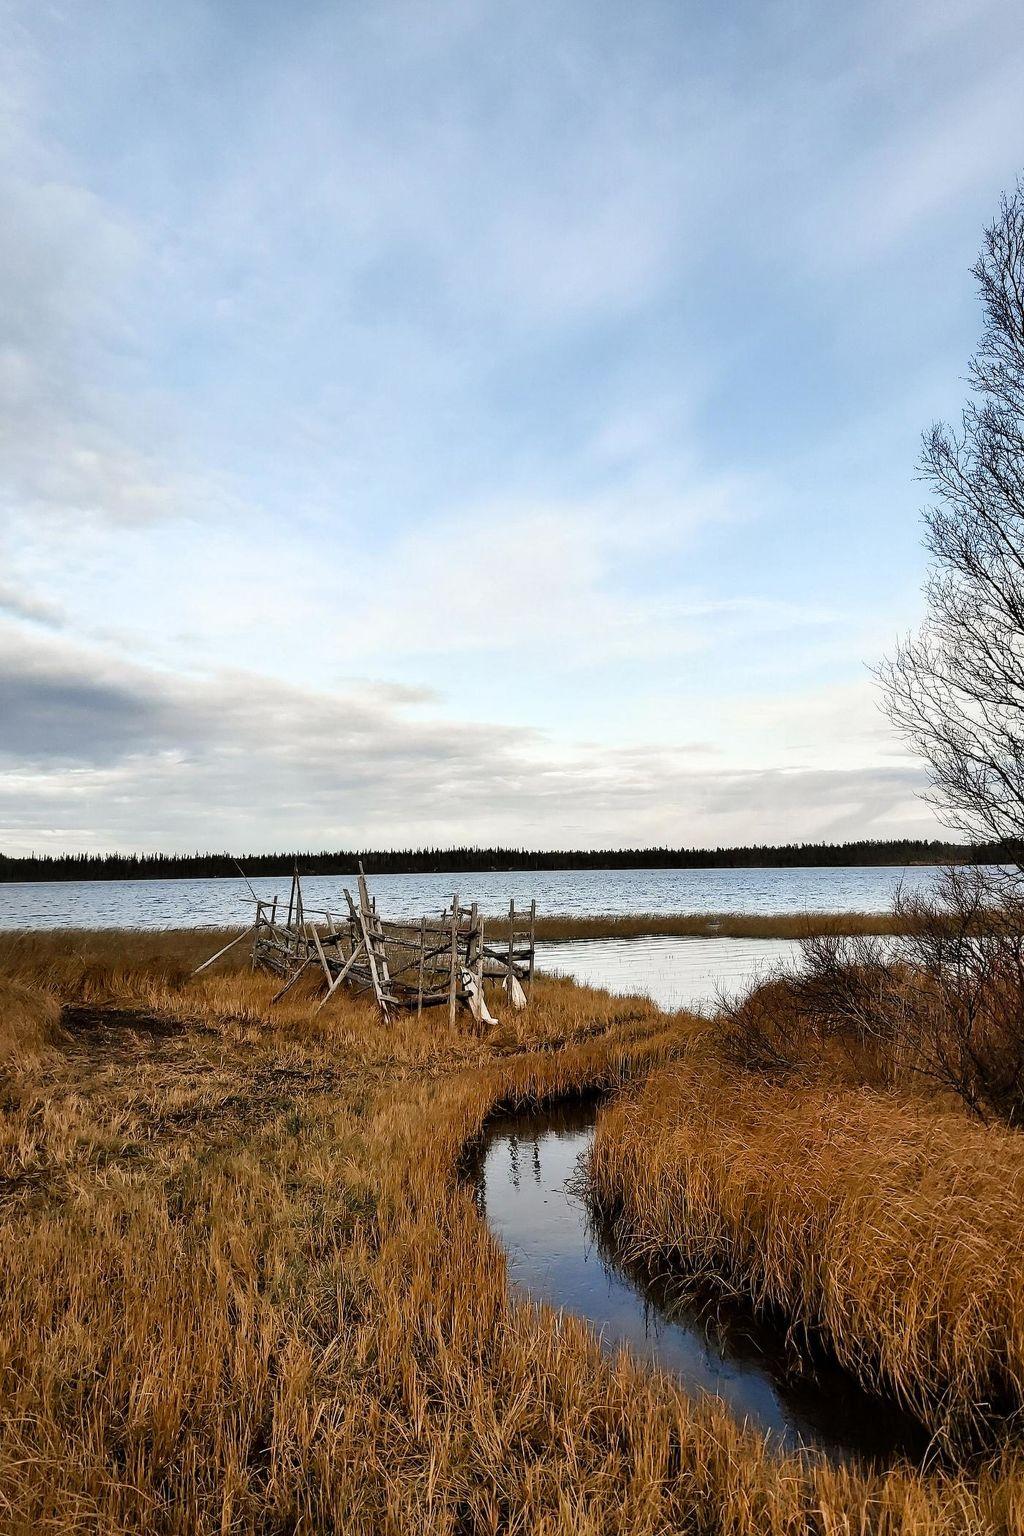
(437, 962)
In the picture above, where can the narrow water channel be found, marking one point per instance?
(528, 1188)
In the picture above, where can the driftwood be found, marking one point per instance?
(433, 963)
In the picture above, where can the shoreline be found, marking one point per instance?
(717, 925)
(567, 928)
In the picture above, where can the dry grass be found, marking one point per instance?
(892, 1227)
(714, 925)
(242, 1292)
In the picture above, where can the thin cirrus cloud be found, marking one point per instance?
(495, 422)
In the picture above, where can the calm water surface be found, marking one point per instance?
(524, 1183)
(672, 972)
(617, 892)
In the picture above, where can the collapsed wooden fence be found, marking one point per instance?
(435, 962)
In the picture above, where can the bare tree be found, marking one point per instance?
(944, 1000)
(956, 689)
(965, 950)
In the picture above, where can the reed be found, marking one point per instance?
(717, 925)
(241, 1289)
(891, 1227)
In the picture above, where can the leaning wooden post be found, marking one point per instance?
(360, 914)
(453, 977)
(309, 928)
(533, 944)
(256, 933)
(480, 958)
(511, 947)
(423, 949)
(471, 939)
(244, 935)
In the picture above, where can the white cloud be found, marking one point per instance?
(97, 754)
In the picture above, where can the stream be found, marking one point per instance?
(528, 1187)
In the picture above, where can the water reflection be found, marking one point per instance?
(673, 972)
(528, 1190)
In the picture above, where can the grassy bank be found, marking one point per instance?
(890, 1226)
(715, 925)
(242, 1291)
(689, 925)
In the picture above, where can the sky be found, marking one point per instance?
(459, 422)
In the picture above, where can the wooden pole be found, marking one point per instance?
(256, 934)
(336, 983)
(480, 967)
(453, 976)
(292, 980)
(533, 930)
(224, 951)
(511, 947)
(311, 928)
(423, 949)
(471, 939)
(371, 959)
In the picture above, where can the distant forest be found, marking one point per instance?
(199, 866)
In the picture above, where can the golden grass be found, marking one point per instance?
(711, 925)
(241, 1290)
(892, 1227)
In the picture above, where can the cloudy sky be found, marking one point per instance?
(457, 421)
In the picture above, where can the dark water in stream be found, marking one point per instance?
(527, 1189)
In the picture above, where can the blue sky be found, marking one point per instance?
(472, 422)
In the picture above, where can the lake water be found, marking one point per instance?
(581, 893)
(528, 1188)
(672, 972)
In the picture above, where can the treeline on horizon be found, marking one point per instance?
(193, 866)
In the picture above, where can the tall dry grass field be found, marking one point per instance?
(242, 1291)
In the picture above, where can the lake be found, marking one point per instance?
(580, 893)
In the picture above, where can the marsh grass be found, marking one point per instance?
(242, 1291)
(888, 1226)
(715, 925)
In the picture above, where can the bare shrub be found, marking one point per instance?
(966, 1026)
(942, 1002)
(844, 1013)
